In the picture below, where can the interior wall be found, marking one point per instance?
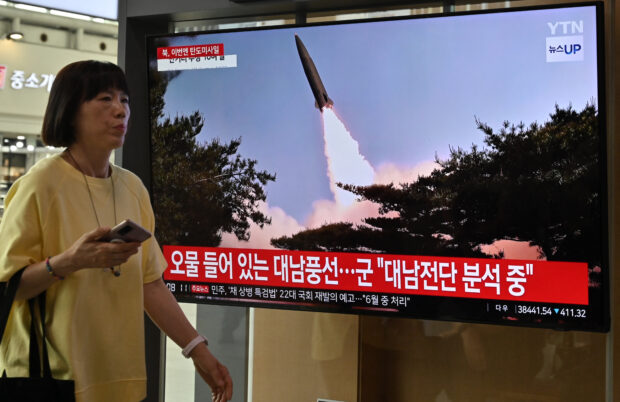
(304, 356)
(21, 111)
(418, 360)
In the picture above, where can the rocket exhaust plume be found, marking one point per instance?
(345, 163)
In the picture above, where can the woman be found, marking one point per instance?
(96, 291)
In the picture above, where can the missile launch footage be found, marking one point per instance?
(318, 90)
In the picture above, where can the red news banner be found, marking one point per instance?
(193, 57)
(522, 280)
(177, 52)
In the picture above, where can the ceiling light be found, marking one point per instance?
(16, 30)
(28, 7)
(15, 35)
(70, 15)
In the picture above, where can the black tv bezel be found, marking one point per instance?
(604, 310)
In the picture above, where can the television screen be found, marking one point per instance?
(445, 167)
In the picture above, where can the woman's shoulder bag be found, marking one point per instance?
(39, 386)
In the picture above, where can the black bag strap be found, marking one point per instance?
(47, 371)
(35, 355)
(7, 295)
(34, 360)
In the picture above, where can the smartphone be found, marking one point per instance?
(127, 231)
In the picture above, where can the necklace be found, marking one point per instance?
(115, 270)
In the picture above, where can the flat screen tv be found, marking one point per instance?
(442, 167)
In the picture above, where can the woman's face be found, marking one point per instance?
(102, 121)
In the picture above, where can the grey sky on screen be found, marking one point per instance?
(406, 90)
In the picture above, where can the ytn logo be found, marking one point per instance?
(566, 27)
(565, 42)
(564, 48)
(567, 49)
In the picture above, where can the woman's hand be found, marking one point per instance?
(164, 310)
(214, 373)
(89, 252)
(86, 252)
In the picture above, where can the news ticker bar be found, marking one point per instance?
(477, 278)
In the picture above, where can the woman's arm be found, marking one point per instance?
(164, 310)
(87, 251)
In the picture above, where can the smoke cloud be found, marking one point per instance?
(346, 164)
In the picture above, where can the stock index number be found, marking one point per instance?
(537, 310)
(573, 312)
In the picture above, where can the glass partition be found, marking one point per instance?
(281, 355)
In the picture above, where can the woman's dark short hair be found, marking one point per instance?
(76, 83)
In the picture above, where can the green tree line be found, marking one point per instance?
(200, 190)
(539, 184)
